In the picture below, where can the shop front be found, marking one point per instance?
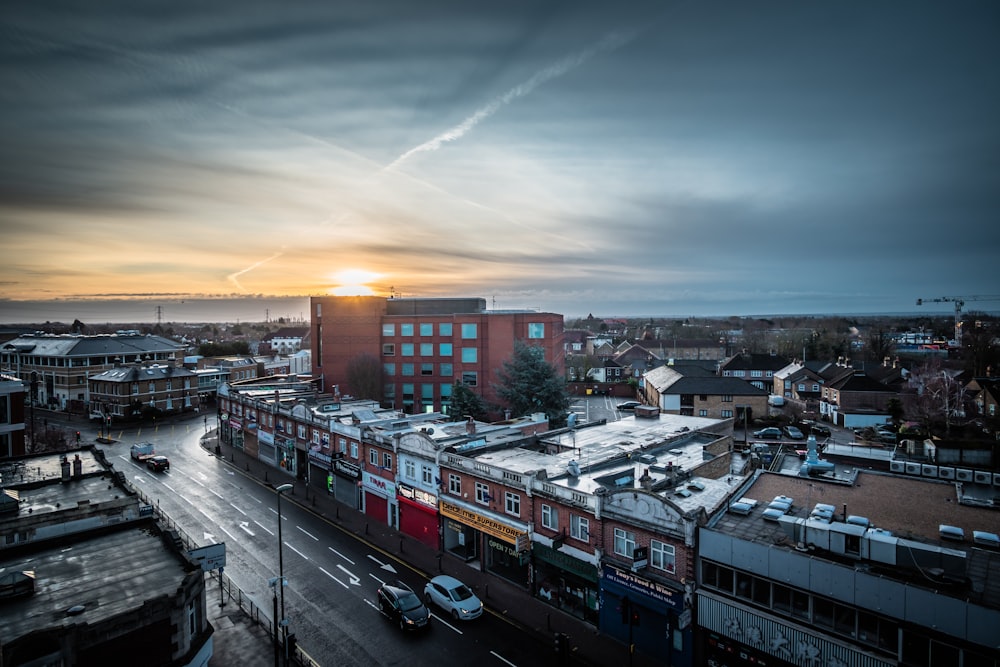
(379, 498)
(284, 454)
(418, 514)
(320, 470)
(565, 582)
(651, 615)
(344, 483)
(502, 546)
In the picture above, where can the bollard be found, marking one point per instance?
(366, 529)
(486, 587)
(548, 621)
(401, 545)
(338, 512)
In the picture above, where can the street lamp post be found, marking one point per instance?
(281, 573)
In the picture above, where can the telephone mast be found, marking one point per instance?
(959, 302)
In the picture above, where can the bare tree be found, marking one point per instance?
(979, 344)
(938, 398)
(364, 377)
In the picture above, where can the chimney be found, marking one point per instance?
(470, 425)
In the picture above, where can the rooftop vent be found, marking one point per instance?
(858, 520)
(741, 507)
(984, 539)
(772, 514)
(951, 533)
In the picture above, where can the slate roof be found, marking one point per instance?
(74, 345)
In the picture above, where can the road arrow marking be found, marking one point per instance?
(384, 566)
(335, 578)
(355, 581)
(209, 537)
(245, 526)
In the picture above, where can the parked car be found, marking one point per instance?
(629, 405)
(820, 430)
(400, 604)
(771, 432)
(794, 433)
(158, 463)
(454, 597)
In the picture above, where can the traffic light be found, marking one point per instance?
(561, 643)
(78, 436)
(291, 644)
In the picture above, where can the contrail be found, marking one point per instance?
(232, 277)
(608, 43)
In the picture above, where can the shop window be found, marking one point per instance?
(579, 528)
(624, 542)
(661, 556)
(512, 504)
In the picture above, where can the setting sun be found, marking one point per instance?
(351, 282)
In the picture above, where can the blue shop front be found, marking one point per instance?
(651, 615)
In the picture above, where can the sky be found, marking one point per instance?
(616, 159)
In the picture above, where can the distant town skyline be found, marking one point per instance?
(630, 159)
(295, 310)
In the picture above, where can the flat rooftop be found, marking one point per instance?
(908, 507)
(46, 467)
(110, 575)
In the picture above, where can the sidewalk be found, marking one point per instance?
(503, 599)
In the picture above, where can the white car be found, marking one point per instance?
(454, 597)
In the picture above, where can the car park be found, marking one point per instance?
(629, 405)
(794, 433)
(400, 604)
(158, 463)
(772, 432)
(454, 597)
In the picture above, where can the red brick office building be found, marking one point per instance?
(425, 345)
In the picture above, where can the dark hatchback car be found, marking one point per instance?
(158, 463)
(401, 605)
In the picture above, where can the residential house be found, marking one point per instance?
(285, 341)
(757, 369)
(698, 349)
(852, 398)
(799, 384)
(692, 390)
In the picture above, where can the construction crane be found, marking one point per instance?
(959, 302)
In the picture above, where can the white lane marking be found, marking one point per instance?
(296, 550)
(197, 482)
(342, 555)
(307, 533)
(381, 583)
(228, 533)
(501, 658)
(355, 581)
(446, 623)
(263, 526)
(237, 509)
(169, 487)
(245, 527)
(216, 493)
(334, 578)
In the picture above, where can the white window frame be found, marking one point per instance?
(624, 542)
(409, 469)
(579, 527)
(482, 493)
(512, 503)
(662, 556)
(454, 484)
(550, 517)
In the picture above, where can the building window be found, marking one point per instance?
(427, 369)
(470, 355)
(469, 331)
(409, 469)
(703, 413)
(727, 414)
(390, 369)
(536, 330)
(444, 329)
(756, 374)
(727, 398)
(579, 528)
(454, 485)
(386, 461)
(427, 349)
(389, 350)
(388, 329)
(373, 456)
(408, 369)
(427, 392)
(426, 329)
(470, 378)
(405, 329)
(550, 518)
(354, 451)
(444, 349)
(426, 475)
(342, 445)
(445, 370)
(482, 494)
(661, 556)
(406, 349)
(512, 504)
(815, 387)
(624, 542)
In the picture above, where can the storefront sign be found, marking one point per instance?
(320, 459)
(417, 495)
(652, 589)
(265, 437)
(488, 525)
(578, 567)
(235, 423)
(347, 469)
(379, 485)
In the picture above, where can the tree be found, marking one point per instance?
(466, 403)
(939, 397)
(878, 342)
(979, 350)
(528, 384)
(364, 376)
